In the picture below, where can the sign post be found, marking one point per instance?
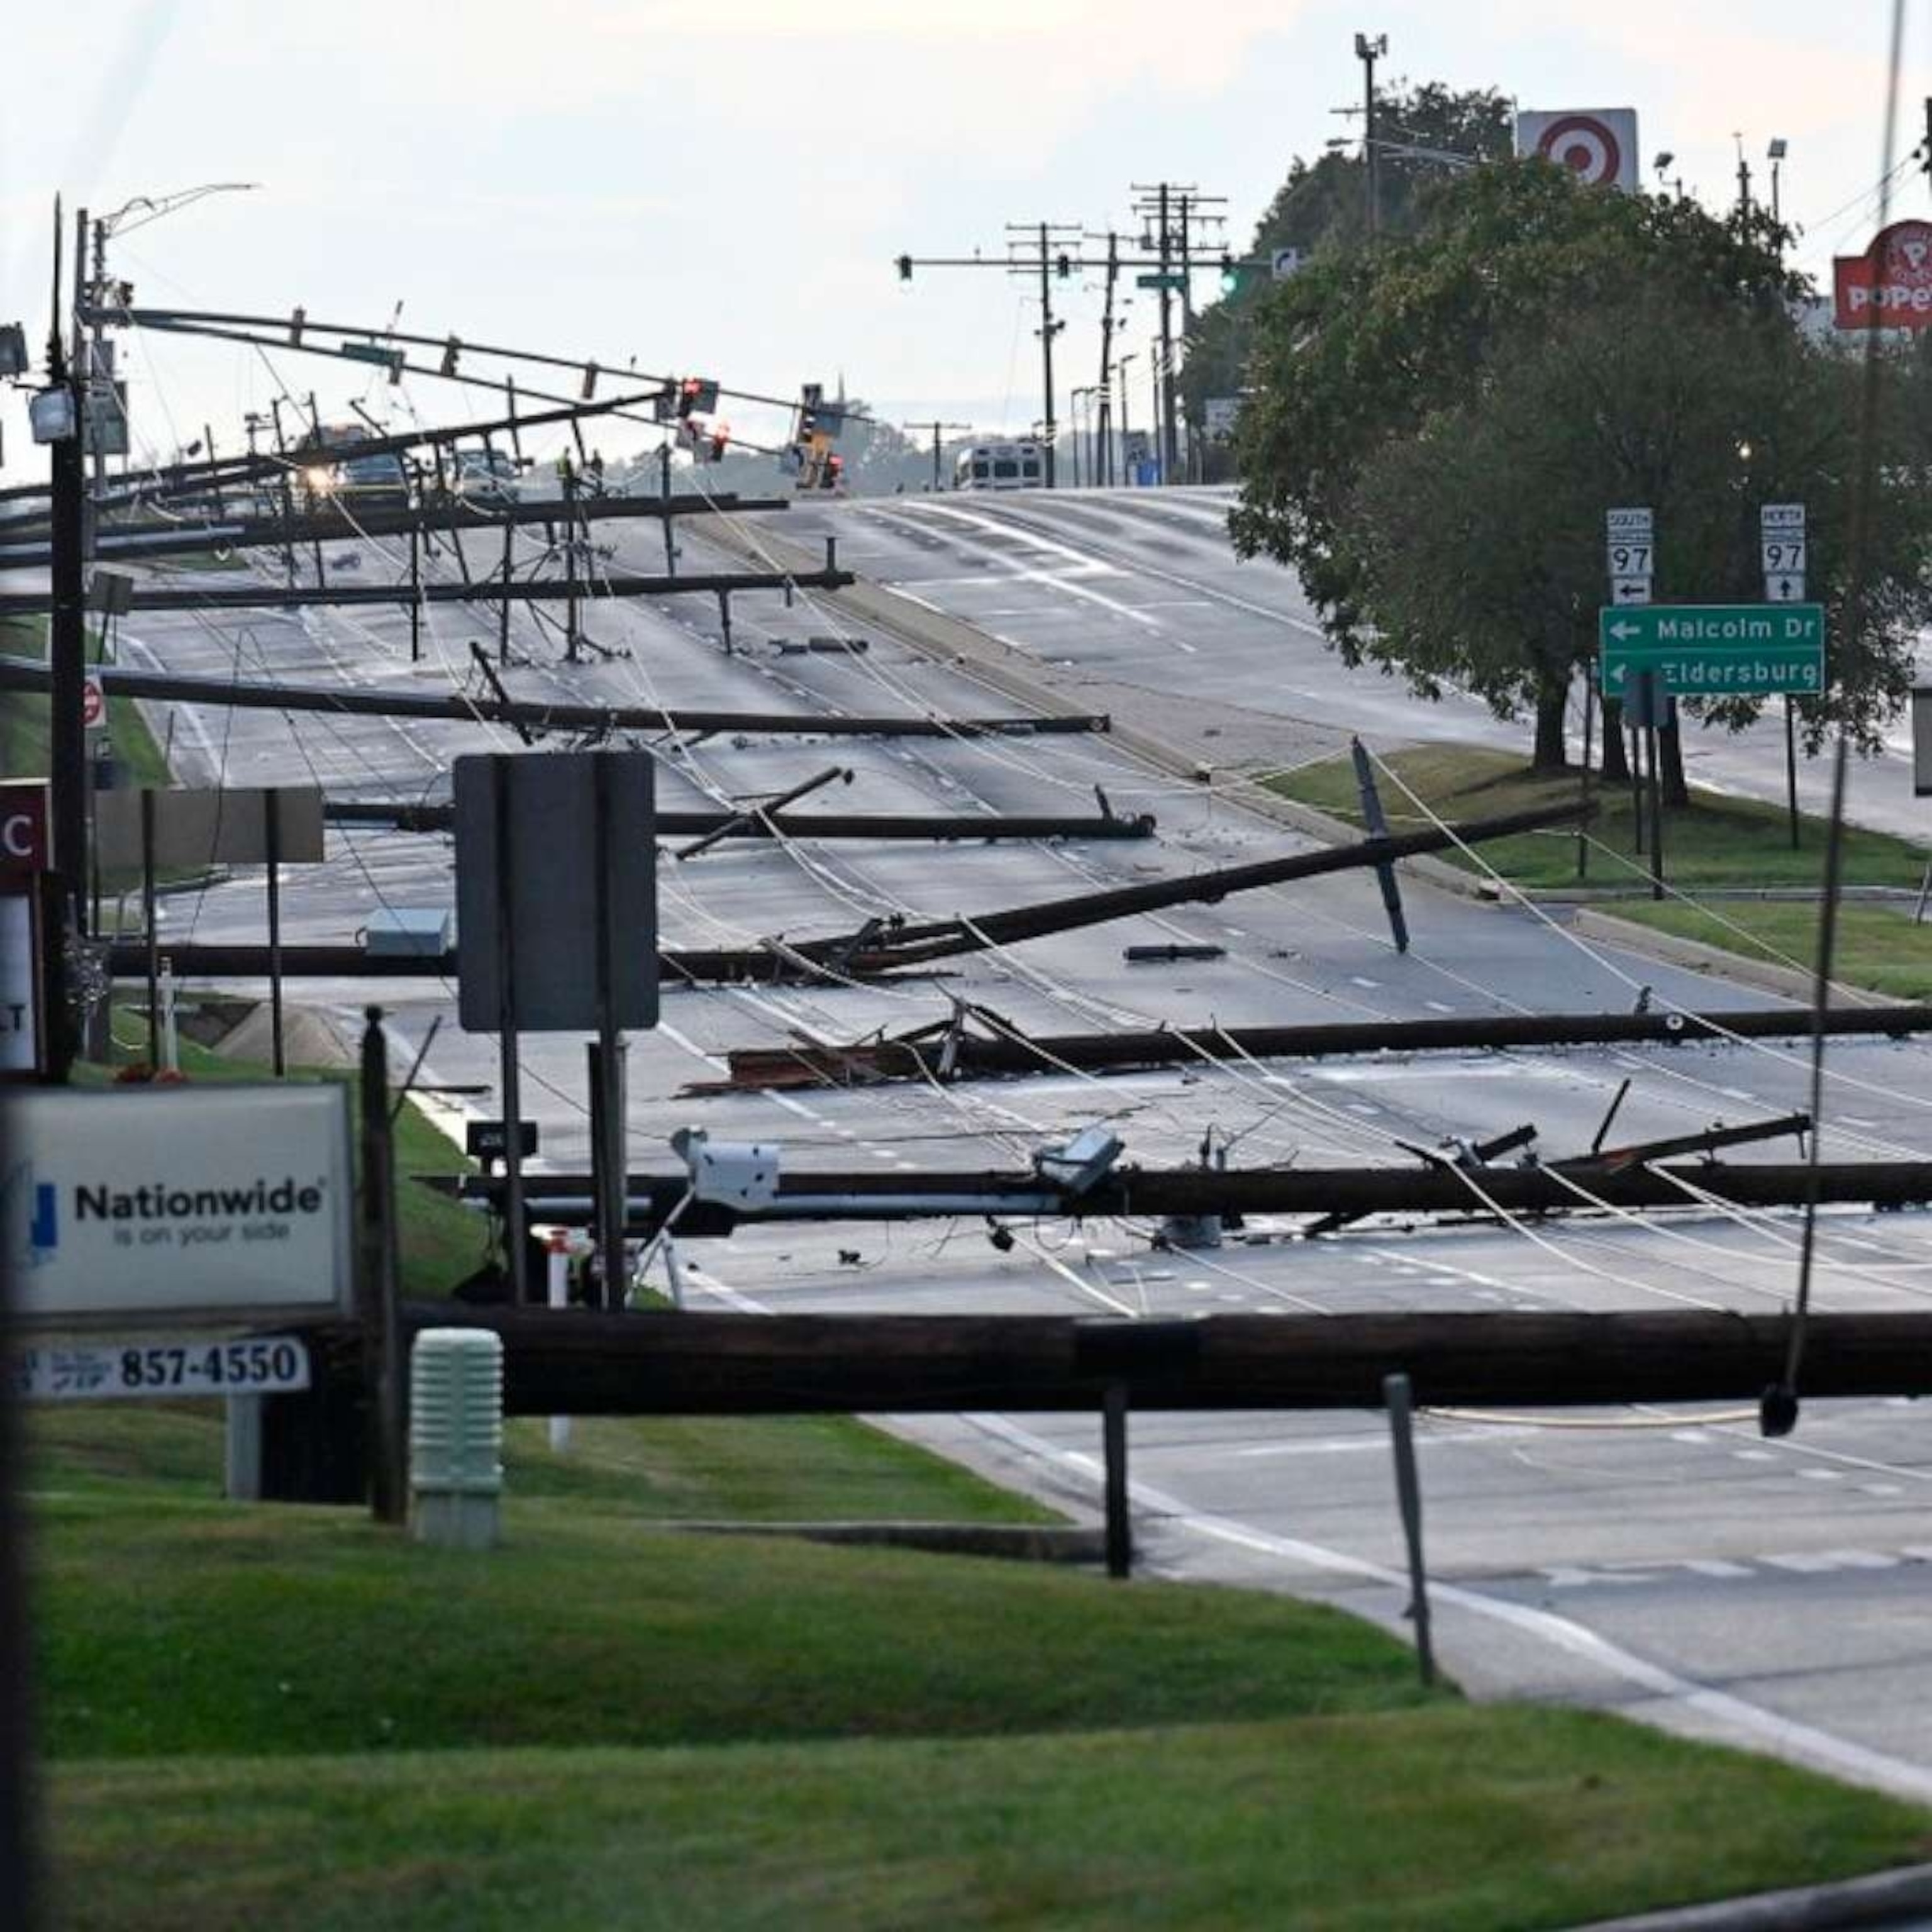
(1781, 535)
(1630, 560)
(555, 866)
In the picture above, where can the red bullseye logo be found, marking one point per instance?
(1585, 146)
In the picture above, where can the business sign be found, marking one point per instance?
(1284, 262)
(20, 993)
(143, 1369)
(1597, 145)
(174, 1207)
(93, 703)
(25, 846)
(1890, 285)
(1715, 650)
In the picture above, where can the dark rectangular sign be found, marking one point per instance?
(527, 890)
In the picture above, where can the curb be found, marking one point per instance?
(951, 641)
(1698, 957)
(1022, 1542)
(1885, 1898)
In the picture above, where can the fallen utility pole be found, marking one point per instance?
(880, 947)
(980, 1055)
(179, 539)
(571, 1362)
(1438, 1188)
(26, 674)
(496, 590)
(768, 824)
(908, 945)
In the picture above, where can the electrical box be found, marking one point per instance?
(414, 932)
(728, 1173)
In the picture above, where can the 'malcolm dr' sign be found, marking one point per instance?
(1890, 285)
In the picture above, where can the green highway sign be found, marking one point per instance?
(1174, 279)
(1714, 650)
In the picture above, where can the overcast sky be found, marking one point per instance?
(719, 186)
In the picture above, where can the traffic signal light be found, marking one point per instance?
(832, 474)
(450, 350)
(1231, 276)
(905, 267)
(1062, 265)
(696, 397)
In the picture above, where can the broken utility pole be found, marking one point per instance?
(1002, 1049)
(25, 674)
(575, 1362)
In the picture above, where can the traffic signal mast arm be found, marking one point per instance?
(290, 331)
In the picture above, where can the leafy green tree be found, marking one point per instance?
(1483, 531)
(1366, 349)
(1322, 205)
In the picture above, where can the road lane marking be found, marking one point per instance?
(1803, 1744)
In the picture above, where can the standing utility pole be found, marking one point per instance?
(1048, 328)
(1103, 463)
(1174, 209)
(1368, 50)
(66, 636)
(1744, 181)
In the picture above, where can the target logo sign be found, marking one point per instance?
(1598, 145)
(93, 704)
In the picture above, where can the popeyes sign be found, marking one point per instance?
(1890, 285)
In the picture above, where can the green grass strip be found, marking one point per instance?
(1447, 1820)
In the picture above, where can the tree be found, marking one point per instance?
(1368, 349)
(1483, 532)
(1320, 206)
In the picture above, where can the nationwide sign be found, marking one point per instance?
(1890, 285)
(1715, 650)
(178, 1207)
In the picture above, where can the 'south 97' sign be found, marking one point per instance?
(177, 1207)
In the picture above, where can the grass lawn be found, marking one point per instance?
(1878, 946)
(1717, 840)
(289, 1716)
(1444, 1819)
(24, 717)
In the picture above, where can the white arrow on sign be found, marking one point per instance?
(1620, 632)
(1785, 589)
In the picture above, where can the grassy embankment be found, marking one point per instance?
(1717, 842)
(290, 1716)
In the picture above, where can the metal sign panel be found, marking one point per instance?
(225, 827)
(1598, 145)
(1630, 590)
(1284, 262)
(1629, 550)
(20, 990)
(178, 1206)
(1715, 650)
(526, 847)
(1220, 415)
(1921, 742)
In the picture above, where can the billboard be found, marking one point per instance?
(178, 1206)
(1597, 144)
(1890, 285)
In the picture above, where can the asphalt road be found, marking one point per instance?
(1142, 588)
(1670, 1563)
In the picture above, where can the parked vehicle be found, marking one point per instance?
(485, 476)
(1000, 466)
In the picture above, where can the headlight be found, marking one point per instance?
(319, 482)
